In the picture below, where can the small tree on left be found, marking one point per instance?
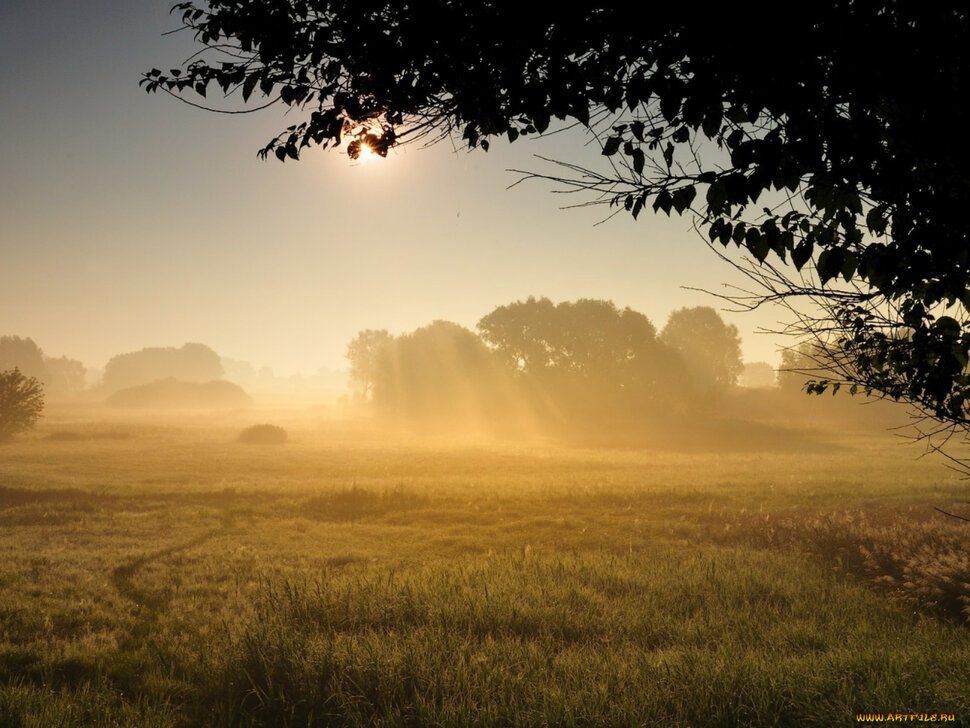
(21, 402)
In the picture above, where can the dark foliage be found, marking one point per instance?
(21, 402)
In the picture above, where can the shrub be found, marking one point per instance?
(172, 393)
(21, 402)
(263, 435)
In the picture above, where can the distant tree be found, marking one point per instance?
(190, 363)
(801, 365)
(587, 336)
(60, 376)
(586, 357)
(710, 347)
(64, 376)
(21, 402)
(523, 334)
(23, 354)
(241, 372)
(364, 353)
(758, 374)
(441, 371)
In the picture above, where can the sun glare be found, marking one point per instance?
(367, 139)
(366, 153)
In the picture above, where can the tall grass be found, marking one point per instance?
(716, 637)
(173, 578)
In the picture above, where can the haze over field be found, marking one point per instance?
(399, 442)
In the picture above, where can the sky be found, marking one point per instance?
(130, 220)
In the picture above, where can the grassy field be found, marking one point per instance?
(158, 573)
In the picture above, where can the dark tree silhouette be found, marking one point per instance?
(587, 357)
(710, 347)
(21, 402)
(819, 145)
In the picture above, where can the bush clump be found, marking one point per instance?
(263, 435)
(172, 393)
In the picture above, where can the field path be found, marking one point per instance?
(154, 600)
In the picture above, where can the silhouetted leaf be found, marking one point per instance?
(757, 243)
(829, 264)
(683, 198)
(712, 123)
(669, 155)
(637, 207)
(248, 85)
(801, 254)
(670, 106)
(849, 263)
(717, 197)
(612, 146)
(638, 160)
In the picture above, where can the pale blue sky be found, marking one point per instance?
(129, 220)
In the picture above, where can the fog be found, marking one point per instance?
(582, 372)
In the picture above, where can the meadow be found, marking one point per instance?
(156, 572)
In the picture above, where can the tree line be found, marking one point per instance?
(585, 360)
(65, 377)
(59, 376)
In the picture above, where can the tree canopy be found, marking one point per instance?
(59, 376)
(710, 347)
(24, 355)
(588, 357)
(21, 402)
(438, 373)
(540, 363)
(828, 147)
(189, 363)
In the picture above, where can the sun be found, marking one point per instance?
(367, 139)
(362, 149)
(366, 153)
